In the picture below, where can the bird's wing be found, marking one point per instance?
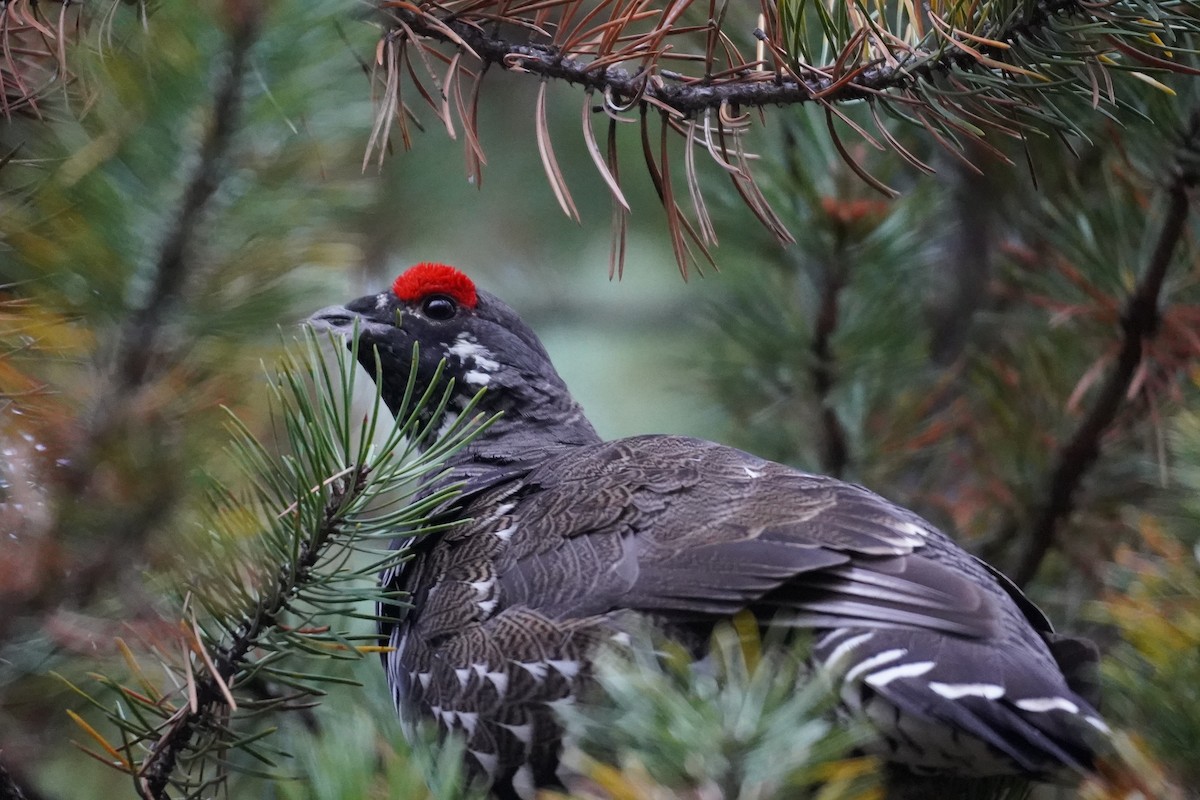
(689, 529)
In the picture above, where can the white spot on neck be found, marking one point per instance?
(381, 301)
(465, 346)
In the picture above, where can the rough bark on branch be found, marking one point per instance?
(1139, 323)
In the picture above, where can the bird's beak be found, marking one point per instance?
(337, 319)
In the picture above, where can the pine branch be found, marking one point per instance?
(748, 87)
(962, 74)
(273, 560)
(213, 689)
(139, 340)
(33, 55)
(834, 453)
(1139, 323)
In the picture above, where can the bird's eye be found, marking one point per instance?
(439, 307)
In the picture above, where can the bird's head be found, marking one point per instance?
(483, 342)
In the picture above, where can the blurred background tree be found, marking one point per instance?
(1008, 345)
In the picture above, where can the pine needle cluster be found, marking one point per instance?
(283, 566)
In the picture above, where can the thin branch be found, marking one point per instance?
(212, 690)
(743, 87)
(687, 98)
(140, 336)
(1139, 323)
(834, 451)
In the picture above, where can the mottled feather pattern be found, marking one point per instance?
(662, 542)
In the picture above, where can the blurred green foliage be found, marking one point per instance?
(733, 725)
(1153, 599)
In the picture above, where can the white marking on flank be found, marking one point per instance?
(1039, 705)
(464, 675)
(483, 588)
(954, 691)
(424, 678)
(488, 761)
(874, 661)
(568, 669)
(505, 534)
(468, 720)
(843, 649)
(522, 783)
(487, 606)
(563, 702)
(886, 676)
(499, 680)
(524, 733)
(477, 377)
(1098, 724)
(535, 668)
(751, 472)
(828, 637)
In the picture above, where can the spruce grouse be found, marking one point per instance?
(569, 535)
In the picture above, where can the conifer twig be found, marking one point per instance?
(740, 88)
(1139, 322)
(254, 602)
(175, 261)
(834, 453)
(212, 690)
